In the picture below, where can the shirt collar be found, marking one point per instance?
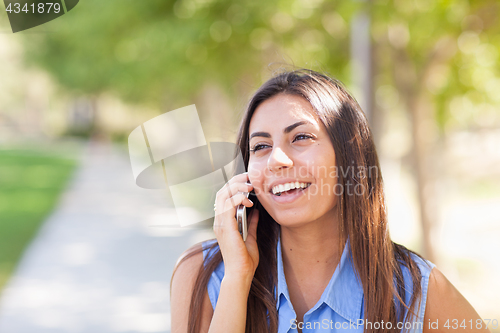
(343, 294)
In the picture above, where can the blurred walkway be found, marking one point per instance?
(102, 262)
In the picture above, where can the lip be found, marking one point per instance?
(284, 181)
(288, 197)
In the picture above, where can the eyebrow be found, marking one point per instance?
(287, 129)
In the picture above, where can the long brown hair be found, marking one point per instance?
(363, 217)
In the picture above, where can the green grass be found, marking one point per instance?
(30, 186)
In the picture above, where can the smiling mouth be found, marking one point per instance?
(289, 188)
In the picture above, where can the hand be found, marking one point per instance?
(240, 258)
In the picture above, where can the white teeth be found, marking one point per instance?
(278, 189)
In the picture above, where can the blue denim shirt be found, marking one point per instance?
(340, 307)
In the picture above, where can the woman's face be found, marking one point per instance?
(292, 161)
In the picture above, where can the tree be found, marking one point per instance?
(423, 51)
(434, 55)
(156, 51)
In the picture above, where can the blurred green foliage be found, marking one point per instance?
(156, 51)
(162, 52)
(30, 186)
(446, 51)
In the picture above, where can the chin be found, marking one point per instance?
(289, 220)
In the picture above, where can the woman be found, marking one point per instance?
(318, 256)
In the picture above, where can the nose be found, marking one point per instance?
(278, 159)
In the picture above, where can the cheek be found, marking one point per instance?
(326, 167)
(256, 177)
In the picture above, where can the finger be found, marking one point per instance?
(227, 215)
(230, 204)
(238, 183)
(233, 189)
(227, 219)
(241, 178)
(235, 201)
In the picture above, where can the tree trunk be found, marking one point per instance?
(420, 114)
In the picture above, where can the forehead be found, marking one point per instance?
(280, 111)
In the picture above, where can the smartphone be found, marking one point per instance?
(241, 218)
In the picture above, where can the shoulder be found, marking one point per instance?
(195, 256)
(411, 264)
(415, 270)
(425, 266)
(210, 248)
(185, 273)
(188, 264)
(191, 261)
(182, 287)
(445, 303)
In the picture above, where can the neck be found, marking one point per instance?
(311, 248)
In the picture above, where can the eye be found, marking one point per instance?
(259, 146)
(302, 136)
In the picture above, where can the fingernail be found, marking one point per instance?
(250, 201)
